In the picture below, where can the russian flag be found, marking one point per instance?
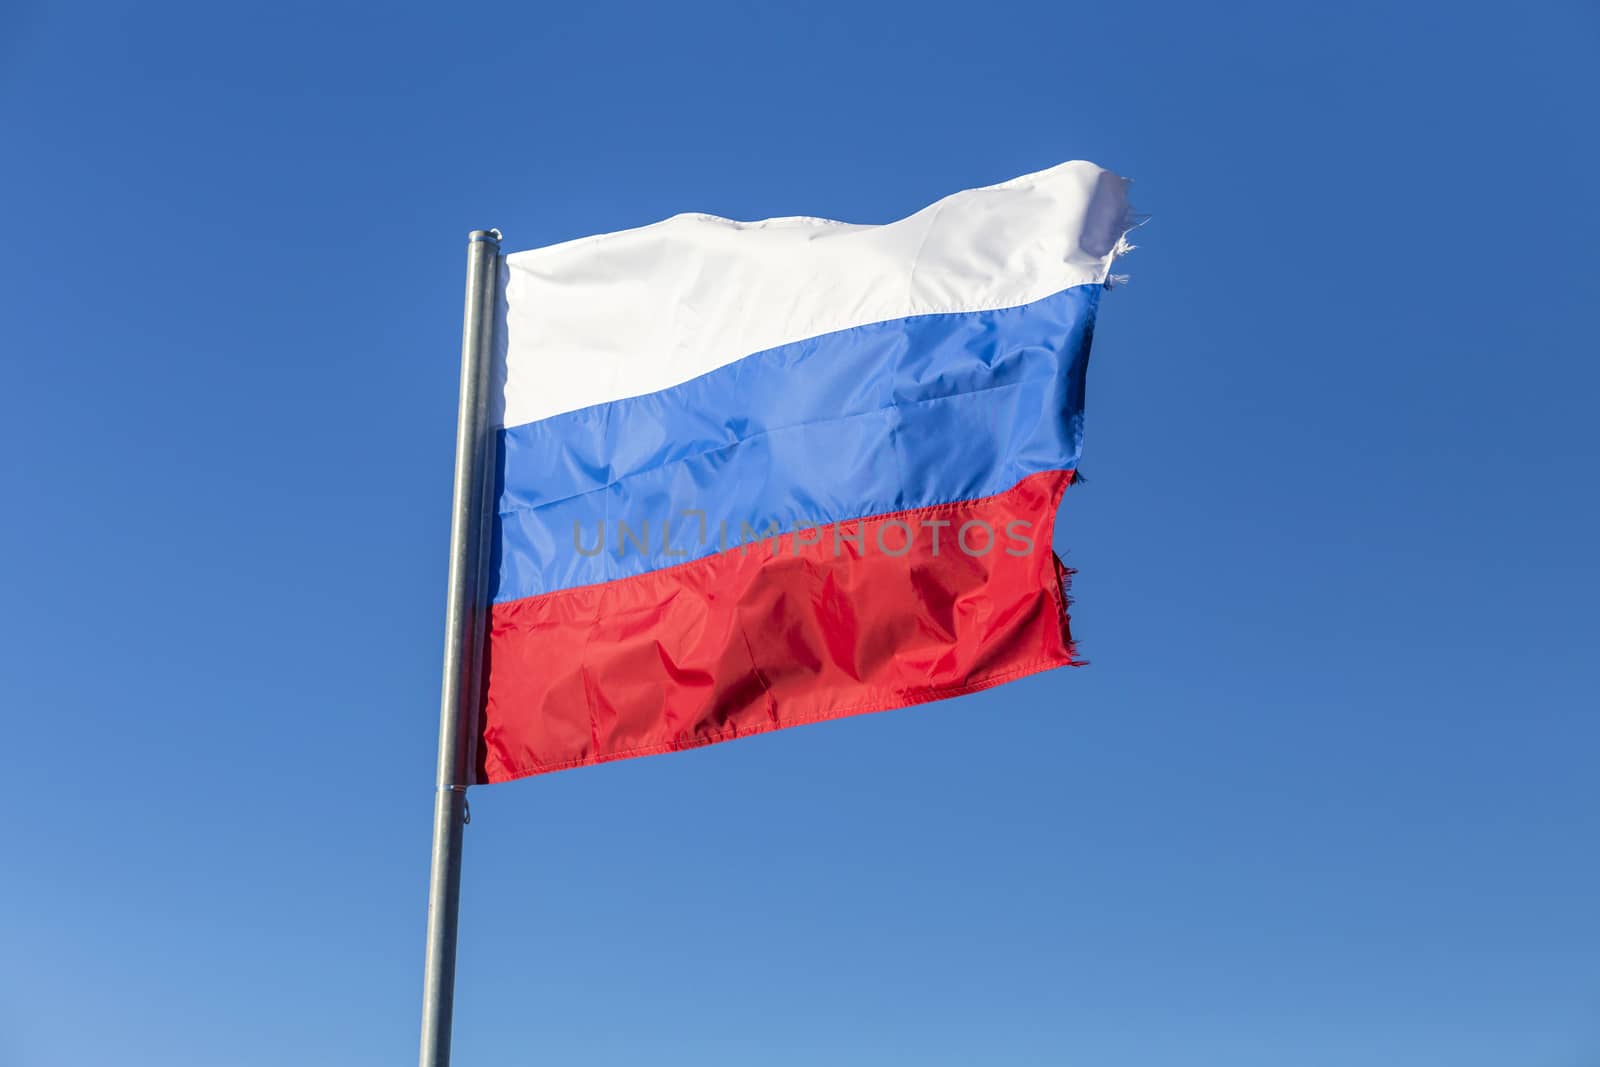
(756, 474)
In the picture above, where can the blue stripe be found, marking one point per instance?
(899, 414)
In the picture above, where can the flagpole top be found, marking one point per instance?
(491, 236)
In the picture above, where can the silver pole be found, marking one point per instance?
(464, 611)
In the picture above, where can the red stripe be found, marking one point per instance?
(777, 634)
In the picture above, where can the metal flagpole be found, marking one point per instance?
(463, 638)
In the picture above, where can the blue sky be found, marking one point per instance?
(1326, 795)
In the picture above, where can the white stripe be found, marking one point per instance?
(628, 313)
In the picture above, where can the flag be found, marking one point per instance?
(751, 475)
